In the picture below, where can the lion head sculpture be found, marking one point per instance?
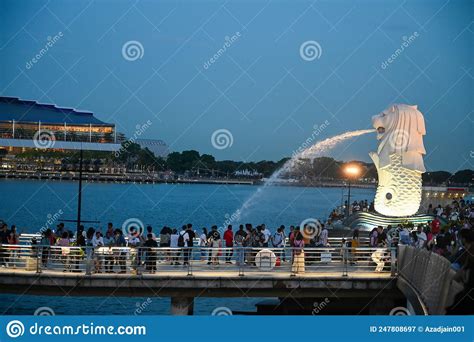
(400, 130)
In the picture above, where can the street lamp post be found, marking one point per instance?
(351, 171)
(348, 199)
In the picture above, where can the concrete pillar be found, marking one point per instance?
(182, 306)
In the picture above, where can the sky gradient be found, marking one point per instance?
(261, 89)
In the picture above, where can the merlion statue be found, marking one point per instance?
(399, 159)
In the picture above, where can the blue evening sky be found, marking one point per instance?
(260, 89)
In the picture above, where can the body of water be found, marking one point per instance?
(31, 204)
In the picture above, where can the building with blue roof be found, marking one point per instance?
(22, 120)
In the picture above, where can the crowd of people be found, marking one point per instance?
(109, 255)
(356, 206)
(451, 240)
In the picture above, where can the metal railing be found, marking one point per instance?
(337, 261)
(430, 275)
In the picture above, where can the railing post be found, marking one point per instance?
(293, 273)
(241, 260)
(137, 261)
(189, 255)
(392, 261)
(39, 253)
(88, 260)
(344, 261)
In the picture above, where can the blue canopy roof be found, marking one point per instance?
(13, 108)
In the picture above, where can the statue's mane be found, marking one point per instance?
(404, 136)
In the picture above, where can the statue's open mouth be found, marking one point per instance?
(380, 130)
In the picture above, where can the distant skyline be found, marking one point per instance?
(258, 77)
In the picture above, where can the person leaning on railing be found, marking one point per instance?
(98, 244)
(215, 241)
(45, 246)
(120, 254)
(239, 239)
(13, 240)
(3, 241)
(150, 246)
(278, 241)
(109, 240)
(354, 244)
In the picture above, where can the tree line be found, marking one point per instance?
(194, 164)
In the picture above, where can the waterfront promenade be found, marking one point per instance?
(329, 272)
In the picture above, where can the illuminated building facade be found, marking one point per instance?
(22, 121)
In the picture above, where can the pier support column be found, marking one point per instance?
(182, 306)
